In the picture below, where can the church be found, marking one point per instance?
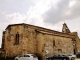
(24, 38)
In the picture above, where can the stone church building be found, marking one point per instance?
(24, 38)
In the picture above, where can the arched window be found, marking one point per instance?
(17, 39)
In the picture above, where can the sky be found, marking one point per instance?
(49, 14)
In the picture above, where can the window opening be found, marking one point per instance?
(53, 42)
(17, 39)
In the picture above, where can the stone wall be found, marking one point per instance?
(77, 42)
(35, 40)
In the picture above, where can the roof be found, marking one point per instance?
(45, 30)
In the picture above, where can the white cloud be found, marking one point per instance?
(35, 14)
(72, 3)
(3, 12)
(56, 13)
(16, 17)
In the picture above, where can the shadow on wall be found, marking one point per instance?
(39, 56)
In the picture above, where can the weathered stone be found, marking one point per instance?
(37, 40)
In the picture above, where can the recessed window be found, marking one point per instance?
(17, 39)
(53, 43)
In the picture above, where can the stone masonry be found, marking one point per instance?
(29, 39)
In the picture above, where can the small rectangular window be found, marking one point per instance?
(17, 39)
(53, 42)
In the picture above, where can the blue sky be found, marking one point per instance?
(45, 13)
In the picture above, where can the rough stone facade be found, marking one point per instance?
(24, 38)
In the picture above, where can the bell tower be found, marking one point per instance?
(65, 29)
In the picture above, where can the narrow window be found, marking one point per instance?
(17, 39)
(53, 43)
